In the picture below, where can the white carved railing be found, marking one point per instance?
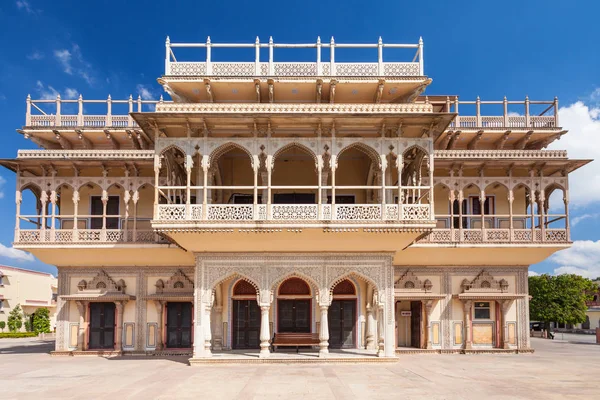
(363, 212)
(476, 236)
(294, 212)
(416, 212)
(171, 212)
(87, 236)
(230, 212)
(543, 121)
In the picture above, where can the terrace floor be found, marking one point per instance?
(559, 369)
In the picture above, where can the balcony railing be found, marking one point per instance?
(86, 236)
(51, 115)
(320, 68)
(475, 236)
(411, 213)
(511, 114)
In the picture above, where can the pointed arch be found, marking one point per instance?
(365, 149)
(417, 147)
(298, 145)
(226, 147)
(295, 274)
(172, 147)
(349, 275)
(236, 276)
(33, 187)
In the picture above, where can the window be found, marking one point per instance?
(239, 198)
(456, 211)
(482, 310)
(488, 205)
(342, 199)
(1, 306)
(112, 208)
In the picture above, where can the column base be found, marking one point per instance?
(264, 352)
(324, 353)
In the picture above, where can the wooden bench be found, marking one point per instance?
(294, 339)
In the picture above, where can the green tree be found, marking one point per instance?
(2, 325)
(15, 319)
(41, 321)
(559, 298)
(27, 319)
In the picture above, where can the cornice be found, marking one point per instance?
(86, 154)
(500, 154)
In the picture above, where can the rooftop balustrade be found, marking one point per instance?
(44, 113)
(319, 68)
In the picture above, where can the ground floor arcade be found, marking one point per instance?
(231, 302)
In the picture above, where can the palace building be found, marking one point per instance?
(336, 204)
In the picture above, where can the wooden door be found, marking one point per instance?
(179, 325)
(246, 324)
(415, 324)
(293, 315)
(102, 326)
(342, 323)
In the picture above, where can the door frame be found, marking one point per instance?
(232, 325)
(89, 326)
(165, 322)
(355, 324)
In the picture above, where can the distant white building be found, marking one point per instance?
(31, 289)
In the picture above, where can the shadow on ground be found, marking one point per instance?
(40, 346)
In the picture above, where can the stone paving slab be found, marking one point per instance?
(559, 369)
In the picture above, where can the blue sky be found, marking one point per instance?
(472, 48)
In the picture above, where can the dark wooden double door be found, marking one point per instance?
(102, 326)
(293, 315)
(246, 324)
(342, 324)
(179, 325)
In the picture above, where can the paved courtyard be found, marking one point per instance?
(559, 369)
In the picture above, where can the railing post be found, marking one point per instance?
(104, 199)
(75, 237)
(542, 214)
(129, 117)
(168, 56)
(421, 66)
(332, 58)
(380, 56)
(208, 62)
(80, 111)
(448, 104)
(556, 112)
(505, 104)
(18, 200)
(478, 111)
(527, 118)
(257, 57)
(57, 121)
(271, 66)
(457, 119)
(139, 103)
(319, 67)
(109, 111)
(28, 111)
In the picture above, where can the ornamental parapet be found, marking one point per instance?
(495, 236)
(86, 236)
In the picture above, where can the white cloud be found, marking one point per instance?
(36, 55)
(25, 6)
(72, 62)
(71, 93)
(19, 255)
(533, 273)
(583, 258)
(64, 57)
(579, 218)
(145, 92)
(46, 93)
(2, 182)
(583, 123)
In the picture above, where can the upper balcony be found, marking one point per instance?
(319, 68)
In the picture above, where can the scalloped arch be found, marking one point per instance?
(224, 148)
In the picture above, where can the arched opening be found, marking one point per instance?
(586, 324)
(294, 165)
(415, 176)
(245, 327)
(358, 169)
(443, 208)
(30, 211)
(521, 208)
(294, 305)
(496, 213)
(172, 176)
(342, 316)
(231, 171)
(555, 209)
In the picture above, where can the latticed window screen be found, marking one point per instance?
(482, 310)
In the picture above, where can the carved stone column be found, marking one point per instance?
(104, 199)
(370, 328)
(380, 331)
(160, 307)
(324, 302)
(119, 322)
(53, 199)
(218, 327)
(207, 330)
(505, 304)
(265, 298)
(18, 200)
(75, 212)
(428, 310)
(467, 311)
(44, 202)
(82, 308)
